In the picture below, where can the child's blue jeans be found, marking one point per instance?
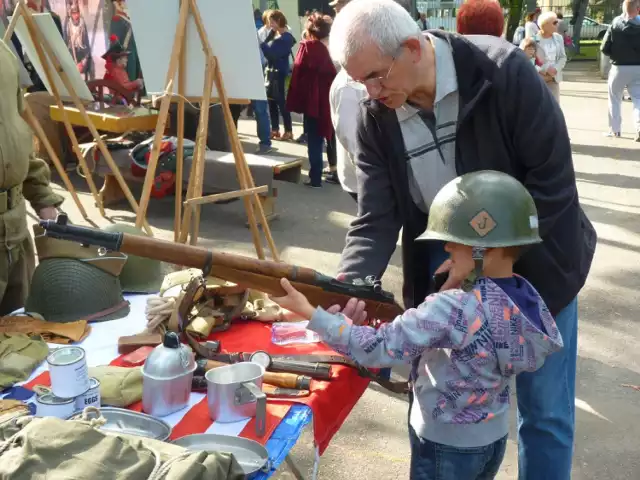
(434, 461)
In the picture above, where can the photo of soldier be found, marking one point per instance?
(76, 37)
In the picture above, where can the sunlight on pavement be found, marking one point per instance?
(585, 407)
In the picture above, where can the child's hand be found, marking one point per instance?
(294, 301)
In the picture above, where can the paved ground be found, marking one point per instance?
(373, 442)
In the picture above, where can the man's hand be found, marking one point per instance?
(353, 310)
(294, 301)
(457, 273)
(48, 213)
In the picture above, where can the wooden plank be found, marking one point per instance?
(219, 197)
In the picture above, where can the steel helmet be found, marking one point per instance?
(67, 289)
(483, 209)
(139, 275)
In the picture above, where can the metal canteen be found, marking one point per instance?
(234, 393)
(166, 377)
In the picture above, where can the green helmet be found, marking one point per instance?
(139, 275)
(67, 289)
(483, 209)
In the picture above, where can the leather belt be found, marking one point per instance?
(10, 198)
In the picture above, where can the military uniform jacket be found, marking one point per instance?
(18, 164)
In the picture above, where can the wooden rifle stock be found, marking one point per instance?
(261, 275)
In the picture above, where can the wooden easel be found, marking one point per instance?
(33, 122)
(44, 51)
(185, 225)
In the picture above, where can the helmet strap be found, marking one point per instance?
(477, 254)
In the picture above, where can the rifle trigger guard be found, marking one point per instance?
(208, 265)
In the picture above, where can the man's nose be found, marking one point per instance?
(374, 90)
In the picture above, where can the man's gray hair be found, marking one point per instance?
(384, 23)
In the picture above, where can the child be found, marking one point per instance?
(116, 59)
(465, 345)
(530, 48)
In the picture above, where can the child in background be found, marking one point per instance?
(530, 48)
(465, 344)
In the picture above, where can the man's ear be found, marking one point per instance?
(414, 45)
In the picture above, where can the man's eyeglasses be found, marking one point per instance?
(375, 82)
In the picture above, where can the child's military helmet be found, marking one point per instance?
(483, 209)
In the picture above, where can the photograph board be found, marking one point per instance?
(232, 36)
(25, 79)
(51, 35)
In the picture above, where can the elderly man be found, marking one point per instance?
(622, 44)
(441, 106)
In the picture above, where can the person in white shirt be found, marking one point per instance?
(531, 28)
(345, 97)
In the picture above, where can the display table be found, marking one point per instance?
(115, 119)
(330, 401)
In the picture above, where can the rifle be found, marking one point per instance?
(261, 275)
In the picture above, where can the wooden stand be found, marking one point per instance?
(44, 51)
(186, 225)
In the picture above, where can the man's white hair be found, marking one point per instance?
(546, 17)
(383, 23)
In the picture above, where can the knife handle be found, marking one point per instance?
(278, 392)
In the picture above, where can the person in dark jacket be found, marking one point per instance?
(313, 72)
(443, 105)
(622, 44)
(277, 49)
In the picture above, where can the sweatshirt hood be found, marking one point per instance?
(520, 345)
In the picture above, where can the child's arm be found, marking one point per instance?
(434, 324)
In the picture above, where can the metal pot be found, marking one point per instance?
(234, 393)
(166, 377)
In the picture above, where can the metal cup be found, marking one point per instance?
(234, 393)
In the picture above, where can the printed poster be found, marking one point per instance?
(83, 27)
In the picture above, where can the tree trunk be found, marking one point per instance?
(515, 15)
(577, 27)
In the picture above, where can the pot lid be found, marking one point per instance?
(169, 360)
